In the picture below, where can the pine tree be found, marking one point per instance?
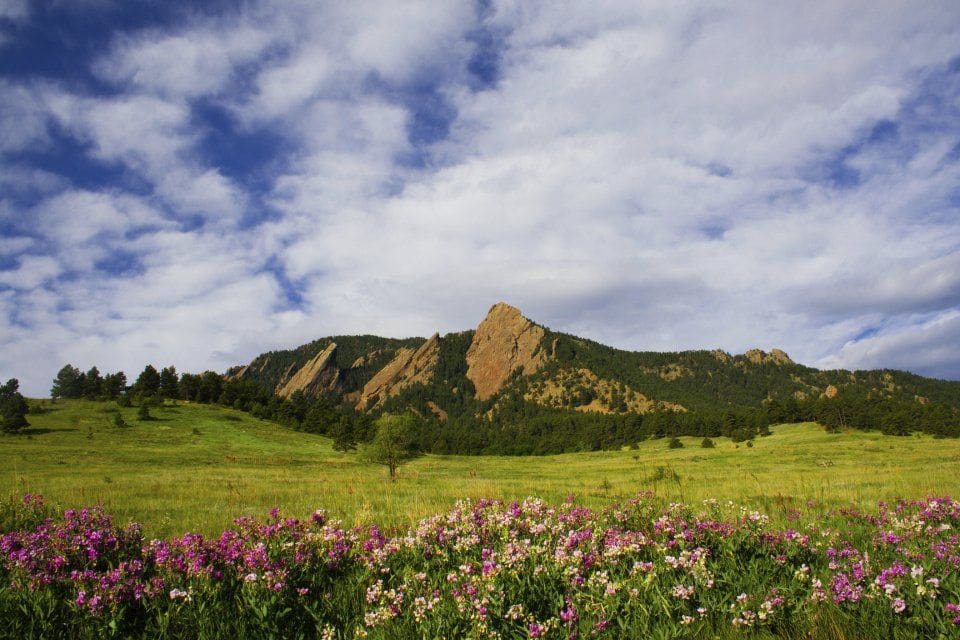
(68, 383)
(169, 382)
(92, 383)
(344, 437)
(13, 407)
(148, 382)
(113, 385)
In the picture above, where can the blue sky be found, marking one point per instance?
(196, 185)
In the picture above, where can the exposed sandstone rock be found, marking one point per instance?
(776, 356)
(437, 411)
(287, 374)
(407, 367)
(779, 357)
(253, 367)
(721, 355)
(318, 375)
(504, 342)
(564, 390)
(366, 359)
(237, 373)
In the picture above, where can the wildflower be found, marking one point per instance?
(899, 605)
(682, 592)
(180, 594)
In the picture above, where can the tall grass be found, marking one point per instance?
(195, 467)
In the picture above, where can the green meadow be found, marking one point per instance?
(196, 467)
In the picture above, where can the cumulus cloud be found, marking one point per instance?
(928, 347)
(656, 176)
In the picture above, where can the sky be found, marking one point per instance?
(192, 184)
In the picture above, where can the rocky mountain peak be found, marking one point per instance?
(504, 341)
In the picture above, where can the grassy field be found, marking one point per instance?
(196, 467)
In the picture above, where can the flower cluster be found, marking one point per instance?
(496, 570)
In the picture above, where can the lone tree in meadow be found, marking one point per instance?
(394, 442)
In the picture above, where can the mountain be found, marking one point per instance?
(511, 364)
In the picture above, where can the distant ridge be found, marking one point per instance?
(510, 358)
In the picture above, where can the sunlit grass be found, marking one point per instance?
(196, 467)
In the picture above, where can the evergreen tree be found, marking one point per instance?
(113, 385)
(148, 382)
(189, 386)
(344, 437)
(92, 383)
(68, 383)
(13, 407)
(210, 388)
(169, 382)
(320, 418)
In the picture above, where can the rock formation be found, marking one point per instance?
(776, 356)
(504, 342)
(316, 376)
(407, 367)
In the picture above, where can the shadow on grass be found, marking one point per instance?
(37, 431)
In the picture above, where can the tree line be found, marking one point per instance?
(509, 425)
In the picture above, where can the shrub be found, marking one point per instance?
(675, 443)
(707, 443)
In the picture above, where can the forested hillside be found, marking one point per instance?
(511, 386)
(557, 392)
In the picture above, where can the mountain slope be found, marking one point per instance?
(510, 360)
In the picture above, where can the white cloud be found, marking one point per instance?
(196, 62)
(931, 347)
(23, 123)
(153, 137)
(31, 272)
(650, 175)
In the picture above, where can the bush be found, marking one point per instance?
(707, 443)
(143, 413)
(675, 443)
